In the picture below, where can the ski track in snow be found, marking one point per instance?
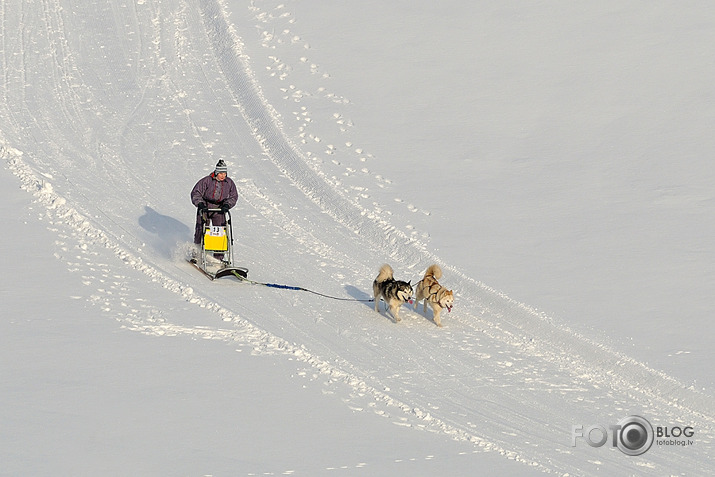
(500, 374)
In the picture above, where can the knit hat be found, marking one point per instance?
(221, 167)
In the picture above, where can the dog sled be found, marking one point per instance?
(215, 256)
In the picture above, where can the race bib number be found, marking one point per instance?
(217, 231)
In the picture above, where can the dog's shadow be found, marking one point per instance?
(360, 295)
(368, 300)
(419, 309)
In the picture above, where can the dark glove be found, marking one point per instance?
(202, 207)
(224, 208)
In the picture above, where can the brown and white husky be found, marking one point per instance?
(429, 290)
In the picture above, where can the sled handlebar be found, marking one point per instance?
(227, 214)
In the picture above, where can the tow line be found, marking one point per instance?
(288, 287)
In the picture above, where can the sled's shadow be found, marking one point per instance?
(167, 231)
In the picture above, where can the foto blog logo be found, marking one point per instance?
(633, 435)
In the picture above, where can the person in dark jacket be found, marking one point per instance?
(215, 191)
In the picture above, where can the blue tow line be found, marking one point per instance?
(288, 287)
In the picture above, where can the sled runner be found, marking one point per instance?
(215, 258)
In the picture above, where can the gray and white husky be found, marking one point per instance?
(395, 292)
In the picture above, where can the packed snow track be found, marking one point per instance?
(111, 110)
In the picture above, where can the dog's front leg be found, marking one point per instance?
(395, 310)
(437, 319)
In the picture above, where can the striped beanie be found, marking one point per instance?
(221, 167)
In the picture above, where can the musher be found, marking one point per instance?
(215, 191)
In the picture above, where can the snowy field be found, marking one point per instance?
(555, 158)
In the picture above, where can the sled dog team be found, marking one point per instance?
(396, 293)
(217, 191)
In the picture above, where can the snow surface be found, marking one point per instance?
(553, 157)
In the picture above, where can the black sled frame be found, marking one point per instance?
(217, 240)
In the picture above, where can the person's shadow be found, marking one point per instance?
(168, 231)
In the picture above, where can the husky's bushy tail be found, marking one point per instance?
(434, 271)
(386, 273)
